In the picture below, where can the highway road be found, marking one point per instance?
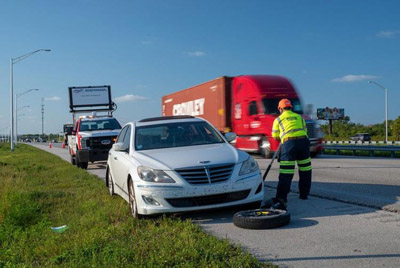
(352, 218)
(371, 182)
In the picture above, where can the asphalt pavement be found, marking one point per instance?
(351, 218)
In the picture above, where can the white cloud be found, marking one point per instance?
(387, 34)
(355, 78)
(196, 54)
(55, 98)
(129, 97)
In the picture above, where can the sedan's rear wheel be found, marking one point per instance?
(132, 200)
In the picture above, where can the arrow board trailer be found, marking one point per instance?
(91, 98)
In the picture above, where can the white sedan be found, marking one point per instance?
(181, 163)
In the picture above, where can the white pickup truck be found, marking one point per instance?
(91, 139)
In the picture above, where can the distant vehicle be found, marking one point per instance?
(91, 139)
(180, 163)
(92, 136)
(246, 105)
(54, 141)
(67, 129)
(361, 137)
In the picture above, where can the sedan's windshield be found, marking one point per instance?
(175, 135)
(103, 124)
(270, 106)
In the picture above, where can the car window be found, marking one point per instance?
(121, 135)
(101, 124)
(170, 135)
(127, 139)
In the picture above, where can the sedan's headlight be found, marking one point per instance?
(248, 166)
(154, 175)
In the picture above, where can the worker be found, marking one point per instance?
(290, 129)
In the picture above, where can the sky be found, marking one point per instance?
(149, 48)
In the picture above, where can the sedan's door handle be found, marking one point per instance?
(115, 158)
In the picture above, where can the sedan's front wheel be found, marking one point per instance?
(132, 200)
(110, 183)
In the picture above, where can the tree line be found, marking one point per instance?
(344, 129)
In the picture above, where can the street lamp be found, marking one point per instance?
(16, 117)
(16, 109)
(386, 106)
(12, 62)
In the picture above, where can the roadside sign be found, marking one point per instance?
(89, 98)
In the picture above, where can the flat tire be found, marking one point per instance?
(261, 218)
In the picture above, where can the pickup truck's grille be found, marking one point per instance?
(207, 174)
(206, 200)
(101, 142)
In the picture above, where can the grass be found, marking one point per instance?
(39, 191)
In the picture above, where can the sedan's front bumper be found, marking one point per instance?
(182, 198)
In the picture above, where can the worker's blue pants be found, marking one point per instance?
(294, 151)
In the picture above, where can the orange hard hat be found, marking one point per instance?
(284, 103)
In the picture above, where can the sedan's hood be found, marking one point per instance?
(190, 156)
(99, 133)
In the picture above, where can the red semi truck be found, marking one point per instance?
(246, 105)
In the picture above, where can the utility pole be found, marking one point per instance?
(42, 118)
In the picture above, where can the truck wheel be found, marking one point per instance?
(261, 218)
(79, 164)
(73, 161)
(265, 149)
(82, 165)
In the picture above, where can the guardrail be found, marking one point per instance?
(362, 146)
(363, 142)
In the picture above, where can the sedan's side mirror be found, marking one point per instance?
(119, 147)
(230, 136)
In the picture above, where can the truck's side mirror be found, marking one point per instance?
(230, 136)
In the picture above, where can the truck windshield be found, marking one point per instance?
(175, 135)
(270, 106)
(103, 124)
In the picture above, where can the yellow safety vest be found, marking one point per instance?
(289, 124)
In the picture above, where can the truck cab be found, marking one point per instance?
(91, 139)
(255, 100)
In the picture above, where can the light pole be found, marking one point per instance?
(386, 106)
(16, 116)
(12, 62)
(16, 108)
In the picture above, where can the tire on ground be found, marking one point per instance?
(261, 218)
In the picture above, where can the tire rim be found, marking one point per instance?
(110, 183)
(132, 199)
(261, 213)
